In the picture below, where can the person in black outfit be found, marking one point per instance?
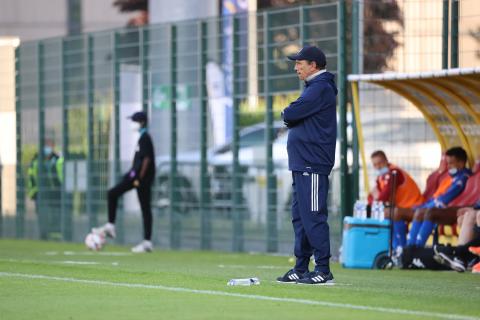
(140, 176)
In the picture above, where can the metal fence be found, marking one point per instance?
(418, 35)
(222, 179)
(228, 191)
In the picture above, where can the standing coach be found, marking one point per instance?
(312, 124)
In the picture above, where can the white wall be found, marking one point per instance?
(31, 20)
(7, 123)
(39, 19)
(161, 11)
(101, 15)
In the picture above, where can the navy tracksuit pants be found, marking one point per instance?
(309, 219)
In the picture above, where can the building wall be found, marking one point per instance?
(469, 25)
(161, 11)
(7, 124)
(30, 20)
(101, 15)
(420, 40)
(39, 19)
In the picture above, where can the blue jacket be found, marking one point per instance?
(312, 123)
(459, 180)
(477, 205)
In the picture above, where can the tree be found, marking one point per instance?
(131, 6)
(379, 44)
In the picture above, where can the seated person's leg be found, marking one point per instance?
(462, 251)
(461, 213)
(467, 225)
(416, 225)
(400, 219)
(476, 230)
(431, 218)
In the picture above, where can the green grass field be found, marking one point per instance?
(44, 280)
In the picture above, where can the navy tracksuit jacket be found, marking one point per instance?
(312, 123)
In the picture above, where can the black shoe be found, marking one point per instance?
(444, 257)
(318, 278)
(290, 277)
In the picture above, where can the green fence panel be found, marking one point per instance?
(222, 177)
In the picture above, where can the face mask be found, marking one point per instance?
(381, 172)
(135, 126)
(47, 150)
(453, 171)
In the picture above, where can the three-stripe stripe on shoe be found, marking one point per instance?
(293, 276)
(318, 279)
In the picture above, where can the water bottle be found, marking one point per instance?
(381, 211)
(244, 282)
(356, 209)
(363, 210)
(376, 210)
(373, 212)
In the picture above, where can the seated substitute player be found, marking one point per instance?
(466, 216)
(457, 258)
(456, 209)
(449, 189)
(407, 193)
(141, 177)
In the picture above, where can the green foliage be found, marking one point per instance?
(252, 114)
(77, 131)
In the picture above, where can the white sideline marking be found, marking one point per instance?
(80, 262)
(242, 266)
(89, 253)
(245, 296)
(64, 262)
(88, 262)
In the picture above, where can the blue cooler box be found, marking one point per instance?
(364, 240)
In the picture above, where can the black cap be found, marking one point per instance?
(139, 117)
(310, 53)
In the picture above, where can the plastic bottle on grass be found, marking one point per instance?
(244, 282)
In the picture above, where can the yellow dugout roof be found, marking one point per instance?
(448, 99)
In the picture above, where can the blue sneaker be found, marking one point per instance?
(290, 277)
(317, 278)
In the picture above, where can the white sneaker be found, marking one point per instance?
(144, 246)
(397, 257)
(108, 229)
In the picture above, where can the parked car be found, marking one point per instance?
(252, 158)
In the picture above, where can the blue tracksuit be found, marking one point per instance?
(312, 124)
(476, 206)
(421, 230)
(459, 181)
